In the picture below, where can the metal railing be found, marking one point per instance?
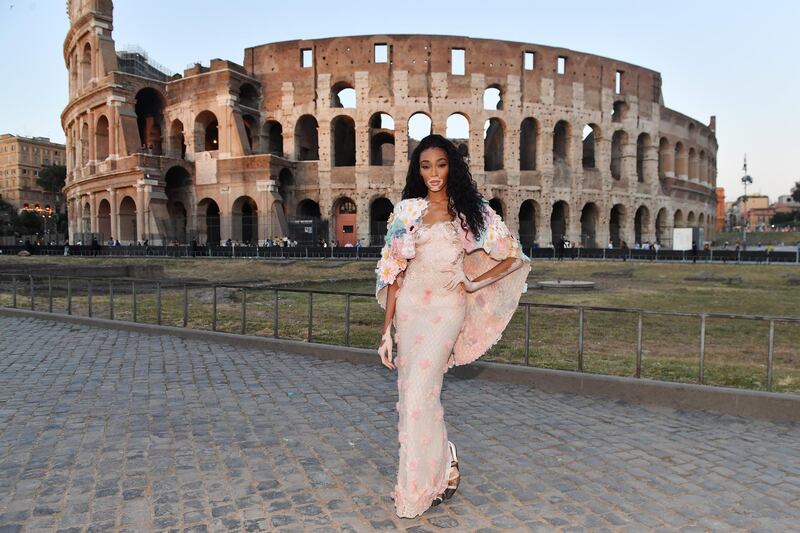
(22, 291)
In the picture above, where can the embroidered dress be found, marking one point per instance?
(438, 328)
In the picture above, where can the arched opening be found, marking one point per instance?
(84, 143)
(492, 98)
(681, 170)
(379, 212)
(642, 154)
(248, 96)
(343, 95)
(343, 141)
(665, 158)
(86, 218)
(702, 167)
(150, 120)
(285, 186)
(561, 133)
(662, 225)
(250, 127)
(641, 223)
(273, 138)
(381, 140)
(308, 209)
(701, 220)
(245, 221)
(457, 131)
(528, 138)
(127, 220)
(86, 65)
(590, 216)
(209, 223)
(306, 139)
(206, 132)
(101, 138)
(177, 140)
(344, 210)
(497, 205)
(678, 220)
(615, 224)
(419, 127)
(104, 220)
(493, 134)
(528, 212)
(178, 191)
(691, 220)
(73, 75)
(618, 141)
(692, 170)
(619, 111)
(591, 135)
(559, 220)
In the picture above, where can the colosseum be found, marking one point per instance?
(310, 139)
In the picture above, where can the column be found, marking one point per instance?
(93, 224)
(140, 213)
(112, 199)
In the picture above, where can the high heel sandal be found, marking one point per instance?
(452, 485)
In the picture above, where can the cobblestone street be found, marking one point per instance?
(106, 430)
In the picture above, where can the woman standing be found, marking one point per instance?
(450, 278)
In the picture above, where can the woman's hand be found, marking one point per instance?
(458, 278)
(385, 349)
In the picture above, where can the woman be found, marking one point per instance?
(450, 278)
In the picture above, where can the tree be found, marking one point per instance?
(52, 177)
(796, 191)
(781, 218)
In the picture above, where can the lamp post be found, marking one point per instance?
(746, 179)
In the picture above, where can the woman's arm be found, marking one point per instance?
(497, 272)
(391, 295)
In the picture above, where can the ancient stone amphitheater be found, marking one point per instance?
(310, 139)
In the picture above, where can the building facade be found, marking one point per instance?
(21, 160)
(311, 139)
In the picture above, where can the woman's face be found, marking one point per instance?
(434, 168)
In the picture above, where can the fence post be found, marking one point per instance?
(69, 296)
(310, 314)
(347, 320)
(33, 305)
(49, 294)
(770, 354)
(214, 308)
(133, 300)
(276, 312)
(580, 339)
(158, 302)
(639, 335)
(701, 376)
(185, 305)
(527, 334)
(89, 296)
(244, 309)
(110, 300)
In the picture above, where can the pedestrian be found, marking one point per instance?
(624, 251)
(450, 278)
(694, 251)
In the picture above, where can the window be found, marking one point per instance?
(618, 82)
(457, 61)
(381, 53)
(562, 64)
(306, 58)
(528, 60)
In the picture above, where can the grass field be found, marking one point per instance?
(735, 352)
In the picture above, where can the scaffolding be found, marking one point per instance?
(136, 61)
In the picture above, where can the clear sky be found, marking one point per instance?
(734, 59)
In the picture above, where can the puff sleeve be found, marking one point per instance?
(489, 310)
(398, 248)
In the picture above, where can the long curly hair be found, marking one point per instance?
(464, 200)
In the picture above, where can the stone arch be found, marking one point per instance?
(285, 186)
(562, 133)
(662, 226)
(701, 220)
(493, 97)
(86, 65)
(497, 204)
(306, 138)
(209, 221)
(177, 188)
(343, 141)
(493, 140)
(381, 140)
(419, 127)
(177, 140)
(702, 167)
(343, 95)
(206, 132)
(616, 224)
(678, 221)
(345, 215)
(379, 211)
(272, 138)
(618, 141)
(666, 158)
(529, 214)
(244, 216)
(619, 111)
(86, 218)
(248, 96)
(692, 165)
(528, 139)
(457, 131)
(590, 220)
(308, 208)
(681, 164)
(104, 220)
(591, 138)
(643, 153)
(559, 221)
(150, 119)
(127, 220)
(691, 219)
(101, 139)
(250, 128)
(641, 224)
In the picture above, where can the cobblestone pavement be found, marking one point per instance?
(107, 430)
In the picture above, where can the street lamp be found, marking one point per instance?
(746, 179)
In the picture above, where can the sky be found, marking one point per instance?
(737, 60)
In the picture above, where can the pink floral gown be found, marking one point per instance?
(438, 328)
